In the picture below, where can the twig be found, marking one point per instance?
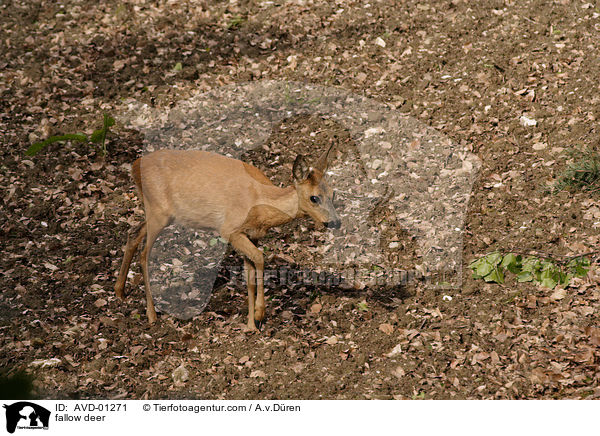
(591, 253)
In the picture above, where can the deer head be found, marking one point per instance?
(314, 195)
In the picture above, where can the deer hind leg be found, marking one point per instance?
(133, 241)
(256, 307)
(154, 225)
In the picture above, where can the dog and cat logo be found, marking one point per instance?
(26, 415)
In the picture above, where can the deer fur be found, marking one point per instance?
(208, 191)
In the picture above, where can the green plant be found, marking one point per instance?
(97, 137)
(362, 306)
(583, 174)
(547, 272)
(235, 22)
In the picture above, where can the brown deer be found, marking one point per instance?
(209, 191)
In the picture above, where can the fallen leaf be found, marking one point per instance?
(118, 64)
(585, 356)
(181, 374)
(44, 363)
(50, 266)
(332, 340)
(558, 294)
(388, 329)
(396, 350)
(100, 302)
(316, 308)
(399, 372)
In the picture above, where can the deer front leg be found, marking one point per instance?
(250, 276)
(259, 308)
(252, 255)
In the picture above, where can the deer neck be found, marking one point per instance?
(284, 200)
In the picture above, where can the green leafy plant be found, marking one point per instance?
(583, 174)
(98, 137)
(236, 22)
(547, 272)
(362, 306)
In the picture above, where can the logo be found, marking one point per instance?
(26, 415)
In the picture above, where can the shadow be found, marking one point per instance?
(15, 385)
(292, 287)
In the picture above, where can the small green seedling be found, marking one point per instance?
(97, 137)
(362, 306)
(236, 22)
(583, 174)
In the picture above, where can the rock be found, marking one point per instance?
(527, 122)
(380, 42)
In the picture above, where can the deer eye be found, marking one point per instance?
(315, 199)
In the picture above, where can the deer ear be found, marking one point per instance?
(322, 163)
(300, 170)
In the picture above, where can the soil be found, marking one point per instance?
(469, 70)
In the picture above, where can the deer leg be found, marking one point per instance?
(245, 247)
(250, 275)
(133, 240)
(259, 310)
(154, 225)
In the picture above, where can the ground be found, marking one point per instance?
(470, 70)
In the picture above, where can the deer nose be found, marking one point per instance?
(335, 224)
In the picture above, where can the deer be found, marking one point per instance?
(209, 191)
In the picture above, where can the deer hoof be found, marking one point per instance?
(259, 314)
(119, 292)
(251, 327)
(151, 317)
